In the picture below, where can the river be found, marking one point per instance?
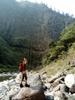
(7, 76)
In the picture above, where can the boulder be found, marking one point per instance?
(36, 82)
(29, 94)
(72, 89)
(34, 92)
(70, 80)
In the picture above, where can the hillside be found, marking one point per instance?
(27, 29)
(63, 53)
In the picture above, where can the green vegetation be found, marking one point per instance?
(61, 47)
(68, 35)
(62, 63)
(31, 30)
(8, 68)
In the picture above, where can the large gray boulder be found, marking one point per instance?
(34, 92)
(29, 94)
(70, 82)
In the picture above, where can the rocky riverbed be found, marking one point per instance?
(41, 88)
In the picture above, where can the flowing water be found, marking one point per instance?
(7, 76)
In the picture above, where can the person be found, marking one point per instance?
(22, 69)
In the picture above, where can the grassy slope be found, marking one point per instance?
(61, 64)
(64, 56)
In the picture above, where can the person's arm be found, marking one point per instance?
(25, 61)
(20, 67)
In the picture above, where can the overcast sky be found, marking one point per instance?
(66, 6)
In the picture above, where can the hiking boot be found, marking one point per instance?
(27, 85)
(21, 85)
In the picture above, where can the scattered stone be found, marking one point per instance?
(58, 75)
(59, 87)
(48, 85)
(72, 89)
(70, 80)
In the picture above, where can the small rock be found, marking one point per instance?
(72, 89)
(60, 96)
(69, 80)
(48, 85)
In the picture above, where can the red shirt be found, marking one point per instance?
(22, 67)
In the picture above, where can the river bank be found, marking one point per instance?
(54, 86)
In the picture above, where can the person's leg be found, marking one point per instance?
(26, 84)
(22, 76)
(25, 76)
(21, 85)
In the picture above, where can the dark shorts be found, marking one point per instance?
(24, 75)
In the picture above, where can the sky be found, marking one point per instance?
(63, 6)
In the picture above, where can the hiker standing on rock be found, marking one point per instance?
(22, 69)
